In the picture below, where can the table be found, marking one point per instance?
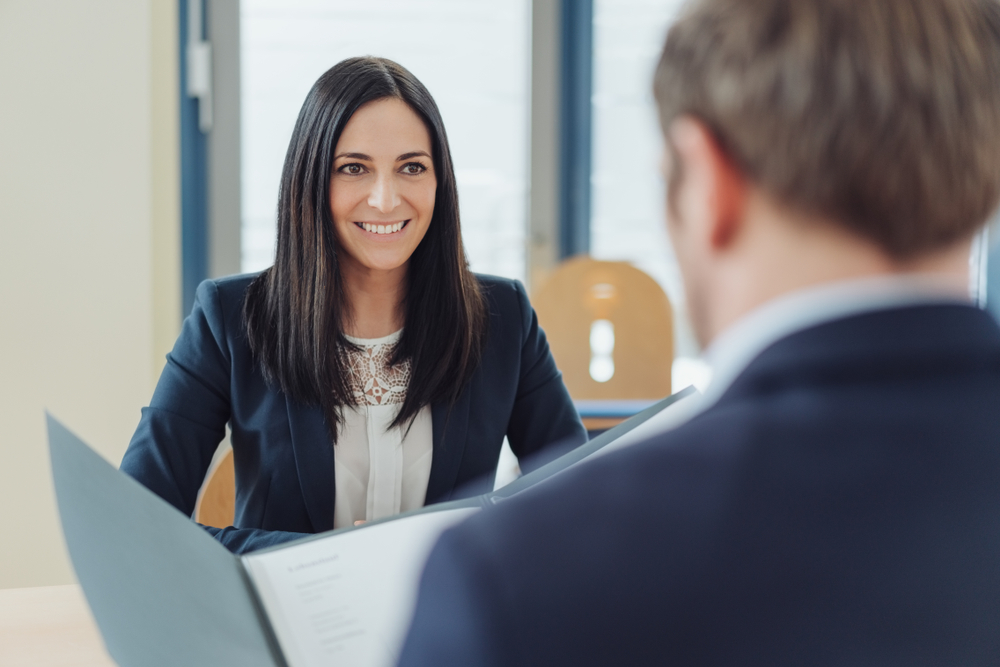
(49, 627)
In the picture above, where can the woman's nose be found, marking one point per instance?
(383, 196)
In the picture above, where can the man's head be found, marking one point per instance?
(812, 140)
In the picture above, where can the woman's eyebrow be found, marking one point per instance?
(354, 156)
(408, 156)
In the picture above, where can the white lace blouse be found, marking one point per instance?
(379, 472)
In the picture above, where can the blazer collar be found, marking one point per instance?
(733, 350)
(450, 427)
(314, 460)
(313, 450)
(880, 342)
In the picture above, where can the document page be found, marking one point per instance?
(348, 599)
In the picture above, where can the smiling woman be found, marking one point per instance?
(368, 371)
(382, 201)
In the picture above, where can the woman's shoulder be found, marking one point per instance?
(503, 292)
(218, 306)
(224, 295)
(230, 287)
(511, 315)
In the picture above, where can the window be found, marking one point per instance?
(627, 194)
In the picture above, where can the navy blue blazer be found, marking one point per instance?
(839, 505)
(282, 449)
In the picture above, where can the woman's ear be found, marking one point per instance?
(711, 194)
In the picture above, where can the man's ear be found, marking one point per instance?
(714, 188)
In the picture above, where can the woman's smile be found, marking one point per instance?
(382, 228)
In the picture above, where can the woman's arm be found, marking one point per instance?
(186, 419)
(245, 540)
(543, 412)
(179, 432)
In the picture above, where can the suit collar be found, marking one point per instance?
(450, 427)
(734, 349)
(906, 341)
(314, 460)
(312, 446)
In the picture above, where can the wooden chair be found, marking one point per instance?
(216, 504)
(584, 291)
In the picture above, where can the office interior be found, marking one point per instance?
(141, 144)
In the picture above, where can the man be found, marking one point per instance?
(837, 499)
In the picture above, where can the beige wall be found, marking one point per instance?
(89, 243)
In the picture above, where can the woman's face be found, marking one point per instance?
(382, 187)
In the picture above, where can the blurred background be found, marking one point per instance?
(141, 143)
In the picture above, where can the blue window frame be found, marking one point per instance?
(194, 176)
(575, 126)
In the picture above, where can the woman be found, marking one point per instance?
(368, 371)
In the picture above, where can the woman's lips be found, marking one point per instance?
(382, 228)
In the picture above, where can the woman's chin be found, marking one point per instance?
(381, 263)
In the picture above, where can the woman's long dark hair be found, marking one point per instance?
(294, 311)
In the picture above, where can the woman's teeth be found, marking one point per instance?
(382, 229)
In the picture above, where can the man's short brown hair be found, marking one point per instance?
(883, 115)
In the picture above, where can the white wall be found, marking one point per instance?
(89, 276)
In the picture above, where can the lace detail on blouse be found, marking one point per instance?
(371, 380)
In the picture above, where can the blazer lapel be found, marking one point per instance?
(449, 428)
(313, 450)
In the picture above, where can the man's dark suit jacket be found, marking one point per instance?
(839, 505)
(282, 448)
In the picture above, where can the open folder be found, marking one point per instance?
(163, 592)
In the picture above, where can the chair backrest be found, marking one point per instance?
(216, 504)
(610, 328)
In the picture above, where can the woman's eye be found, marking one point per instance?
(413, 168)
(352, 169)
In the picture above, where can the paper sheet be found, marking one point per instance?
(348, 599)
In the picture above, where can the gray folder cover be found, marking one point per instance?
(162, 590)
